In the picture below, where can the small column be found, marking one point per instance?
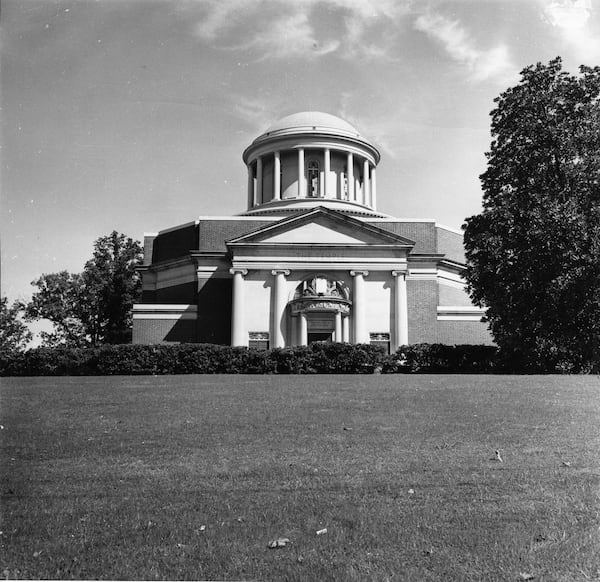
(346, 329)
(279, 302)
(358, 307)
(373, 189)
(259, 181)
(276, 176)
(302, 329)
(366, 182)
(301, 180)
(326, 172)
(400, 311)
(338, 327)
(238, 332)
(350, 176)
(250, 187)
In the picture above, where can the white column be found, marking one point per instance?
(303, 329)
(301, 181)
(366, 182)
(276, 176)
(350, 176)
(400, 311)
(346, 329)
(327, 170)
(373, 189)
(239, 337)
(358, 307)
(279, 302)
(259, 181)
(250, 187)
(338, 327)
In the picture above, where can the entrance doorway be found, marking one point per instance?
(320, 336)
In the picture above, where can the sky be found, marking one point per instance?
(132, 115)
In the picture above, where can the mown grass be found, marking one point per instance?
(189, 477)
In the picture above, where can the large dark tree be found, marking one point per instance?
(534, 251)
(92, 307)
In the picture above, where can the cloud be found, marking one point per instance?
(572, 19)
(256, 112)
(493, 63)
(279, 29)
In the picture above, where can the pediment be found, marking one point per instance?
(321, 226)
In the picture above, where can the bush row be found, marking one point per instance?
(318, 358)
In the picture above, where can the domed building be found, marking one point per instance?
(311, 258)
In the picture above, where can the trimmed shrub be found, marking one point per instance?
(441, 358)
(318, 358)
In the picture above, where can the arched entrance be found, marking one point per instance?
(321, 308)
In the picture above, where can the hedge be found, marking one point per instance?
(318, 358)
(442, 358)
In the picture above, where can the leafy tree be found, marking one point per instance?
(61, 299)
(113, 285)
(92, 307)
(533, 253)
(14, 335)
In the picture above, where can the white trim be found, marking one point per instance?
(423, 274)
(459, 318)
(248, 218)
(205, 272)
(451, 279)
(394, 219)
(333, 264)
(459, 313)
(165, 311)
(169, 316)
(461, 309)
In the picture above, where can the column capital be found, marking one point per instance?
(400, 272)
(359, 272)
(237, 270)
(284, 272)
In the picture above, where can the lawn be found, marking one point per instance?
(190, 477)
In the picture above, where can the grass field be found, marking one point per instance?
(190, 477)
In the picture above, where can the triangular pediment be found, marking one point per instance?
(321, 226)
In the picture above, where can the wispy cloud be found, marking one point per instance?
(276, 29)
(256, 112)
(494, 63)
(572, 19)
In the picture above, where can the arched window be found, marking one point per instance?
(313, 179)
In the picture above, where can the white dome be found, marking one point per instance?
(313, 120)
(311, 158)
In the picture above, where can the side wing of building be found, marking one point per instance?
(390, 281)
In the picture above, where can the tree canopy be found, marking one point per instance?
(533, 253)
(14, 335)
(92, 307)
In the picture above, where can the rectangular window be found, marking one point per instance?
(381, 339)
(259, 340)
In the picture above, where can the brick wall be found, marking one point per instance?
(463, 332)
(156, 331)
(422, 310)
(449, 295)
